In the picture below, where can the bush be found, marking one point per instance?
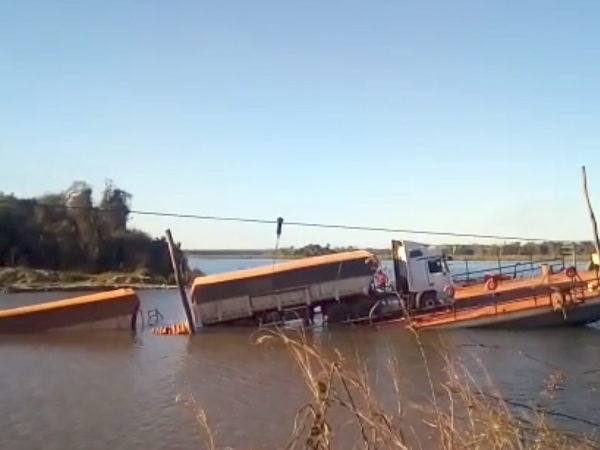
(67, 231)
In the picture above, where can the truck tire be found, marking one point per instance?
(428, 300)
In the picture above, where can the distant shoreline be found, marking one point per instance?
(25, 280)
(22, 279)
(226, 255)
(33, 289)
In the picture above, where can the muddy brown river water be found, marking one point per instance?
(114, 390)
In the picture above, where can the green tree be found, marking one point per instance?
(67, 231)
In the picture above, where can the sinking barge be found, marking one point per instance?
(117, 309)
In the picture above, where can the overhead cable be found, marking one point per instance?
(310, 224)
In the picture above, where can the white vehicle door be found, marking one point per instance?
(418, 278)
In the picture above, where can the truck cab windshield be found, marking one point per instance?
(435, 266)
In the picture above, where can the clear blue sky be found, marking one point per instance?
(467, 116)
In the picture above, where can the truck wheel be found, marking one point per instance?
(428, 300)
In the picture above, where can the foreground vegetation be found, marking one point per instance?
(66, 237)
(345, 413)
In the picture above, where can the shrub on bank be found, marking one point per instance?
(69, 232)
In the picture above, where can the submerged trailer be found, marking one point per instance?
(264, 293)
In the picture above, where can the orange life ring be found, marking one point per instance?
(491, 284)
(571, 272)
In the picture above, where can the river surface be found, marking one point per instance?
(104, 390)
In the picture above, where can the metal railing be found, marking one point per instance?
(517, 270)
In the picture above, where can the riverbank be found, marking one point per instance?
(23, 279)
(212, 255)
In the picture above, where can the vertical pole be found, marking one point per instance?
(533, 274)
(592, 216)
(499, 261)
(177, 272)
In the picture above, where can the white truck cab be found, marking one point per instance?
(422, 274)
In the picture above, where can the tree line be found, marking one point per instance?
(68, 231)
(526, 250)
(547, 249)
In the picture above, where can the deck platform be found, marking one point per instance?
(540, 301)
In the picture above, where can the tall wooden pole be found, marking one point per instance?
(591, 211)
(178, 279)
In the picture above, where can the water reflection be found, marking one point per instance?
(88, 390)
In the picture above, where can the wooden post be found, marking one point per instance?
(591, 211)
(177, 272)
(499, 258)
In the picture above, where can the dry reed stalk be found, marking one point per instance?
(462, 418)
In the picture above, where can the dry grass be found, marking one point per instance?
(23, 278)
(17, 279)
(457, 415)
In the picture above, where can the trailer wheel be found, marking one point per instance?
(269, 318)
(361, 308)
(349, 309)
(335, 312)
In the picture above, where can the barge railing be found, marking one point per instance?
(516, 270)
